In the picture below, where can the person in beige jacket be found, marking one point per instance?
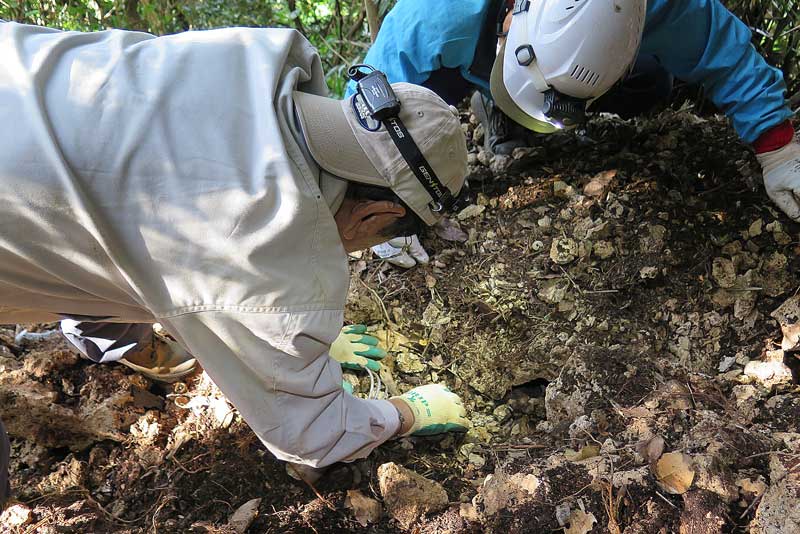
(205, 182)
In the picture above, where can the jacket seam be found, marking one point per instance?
(186, 310)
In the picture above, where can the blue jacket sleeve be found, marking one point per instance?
(418, 37)
(700, 41)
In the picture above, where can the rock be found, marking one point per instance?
(723, 272)
(501, 492)
(788, 316)
(15, 516)
(654, 241)
(782, 238)
(713, 476)
(564, 404)
(648, 273)
(562, 190)
(407, 495)
(500, 164)
(243, 517)
(777, 279)
(563, 250)
(769, 373)
(70, 473)
(751, 488)
(755, 228)
(409, 362)
(365, 509)
(502, 413)
(473, 210)
(477, 460)
(779, 509)
(553, 291)
(600, 184)
(603, 249)
(580, 522)
(746, 398)
(35, 410)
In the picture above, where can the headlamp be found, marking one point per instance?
(383, 105)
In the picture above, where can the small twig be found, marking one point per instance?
(191, 472)
(752, 504)
(325, 501)
(378, 298)
(666, 500)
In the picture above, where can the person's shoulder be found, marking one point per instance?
(462, 13)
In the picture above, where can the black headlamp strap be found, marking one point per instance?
(382, 105)
(442, 197)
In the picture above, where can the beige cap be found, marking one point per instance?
(347, 143)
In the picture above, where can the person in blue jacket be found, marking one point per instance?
(450, 47)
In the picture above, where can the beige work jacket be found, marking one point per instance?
(158, 179)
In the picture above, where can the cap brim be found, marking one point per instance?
(331, 140)
(506, 103)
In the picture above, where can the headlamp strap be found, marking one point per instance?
(520, 6)
(382, 104)
(442, 198)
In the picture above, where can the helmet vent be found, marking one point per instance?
(584, 75)
(572, 6)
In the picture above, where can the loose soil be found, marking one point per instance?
(613, 289)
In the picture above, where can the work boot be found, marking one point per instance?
(501, 135)
(163, 360)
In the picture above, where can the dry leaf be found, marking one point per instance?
(651, 450)
(589, 451)
(473, 210)
(365, 509)
(450, 231)
(674, 472)
(580, 522)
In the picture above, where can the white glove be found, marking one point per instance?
(781, 170)
(402, 251)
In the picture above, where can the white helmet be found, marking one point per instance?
(559, 54)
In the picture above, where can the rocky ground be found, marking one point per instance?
(611, 309)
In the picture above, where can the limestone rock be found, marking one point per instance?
(365, 509)
(15, 516)
(563, 250)
(788, 316)
(723, 272)
(779, 509)
(407, 495)
(244, 516)
(603, 249)
(501, 491)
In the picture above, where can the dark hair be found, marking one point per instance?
(408, 225)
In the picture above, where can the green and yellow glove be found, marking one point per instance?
(436, 410)
(355, 350)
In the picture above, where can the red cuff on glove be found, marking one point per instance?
(774, 138)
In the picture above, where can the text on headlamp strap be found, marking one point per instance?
(418, 164)
(521, 6)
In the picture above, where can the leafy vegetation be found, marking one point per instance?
(338, 28)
